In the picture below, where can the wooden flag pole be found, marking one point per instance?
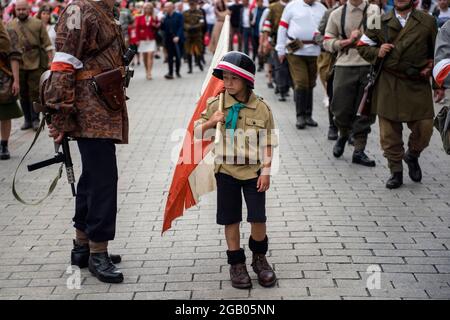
(219, 124)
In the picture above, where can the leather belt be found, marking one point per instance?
(89, 74)
(308, 41)
(402, 75)
(239, 161)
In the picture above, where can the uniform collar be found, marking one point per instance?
(230, 100)
(361, 7)
(399, 17)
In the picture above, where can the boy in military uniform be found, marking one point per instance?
(242, 164)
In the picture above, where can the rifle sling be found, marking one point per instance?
(52, 185)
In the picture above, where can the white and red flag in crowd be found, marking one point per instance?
(194, 172)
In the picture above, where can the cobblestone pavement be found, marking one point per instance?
(328, 220)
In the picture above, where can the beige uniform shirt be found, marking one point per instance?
(241, 157)
(33, 42)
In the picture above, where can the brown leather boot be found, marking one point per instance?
(240, 279)
(266, 275)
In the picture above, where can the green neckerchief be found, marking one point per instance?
(232, 117)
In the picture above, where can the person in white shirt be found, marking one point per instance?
(295, 40)
(441, 12)
(209, 9)
(246, 25)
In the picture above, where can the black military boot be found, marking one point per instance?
(199, 63)
(332, 133)
(240, 279)
(4, 152)
(339, 146)
(80, 255)
(332, 129)
(415, 173)
(360, 157)
(282, 97)
(300, 106)
(265, 273)
(395, 181)
(189, 61)
(309, 109)
(26, 125)
(101, 266)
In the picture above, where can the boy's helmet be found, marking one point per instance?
(238, 63)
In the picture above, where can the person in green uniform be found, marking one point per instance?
(37, 53)
(403, 93)
(9, 72)
(194, 22)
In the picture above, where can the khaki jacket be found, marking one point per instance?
(33, 41)
(243, 157)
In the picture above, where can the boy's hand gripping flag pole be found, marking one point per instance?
(219, 124)
(193, 176)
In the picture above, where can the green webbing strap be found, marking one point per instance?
(52, 185)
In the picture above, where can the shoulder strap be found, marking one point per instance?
(343, 16)
(363, 22)
(109, 43)
(24, 34)
(4, 68)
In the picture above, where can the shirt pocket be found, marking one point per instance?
(256, 124)
(253, 130)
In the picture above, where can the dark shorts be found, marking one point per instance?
(229, 200)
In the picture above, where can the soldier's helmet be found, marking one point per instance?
(238, 63)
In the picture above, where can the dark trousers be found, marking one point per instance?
(29, 92)
(209, 29)
(246, 37)
(237, 31)
(173, 52)
(96, 201)
(330, 98)
(281, 74)
(348, 89)
(255, 46)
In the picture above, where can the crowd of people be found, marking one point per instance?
(184, 31)
(347, 44)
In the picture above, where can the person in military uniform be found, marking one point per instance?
(325, 66)
(242, 164)
(280, 70)
(296, 42)
(194, 23)
(10, 57)
(345, 26)
(36, 48)
(441, 69)
(86, 49)
(405, 44)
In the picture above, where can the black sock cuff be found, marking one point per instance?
(4, 143)
(236, 256)
(259, 247)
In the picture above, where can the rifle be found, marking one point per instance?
(63, 156)
(366, 100)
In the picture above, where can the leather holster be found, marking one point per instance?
(294, 45)
(109, 87)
